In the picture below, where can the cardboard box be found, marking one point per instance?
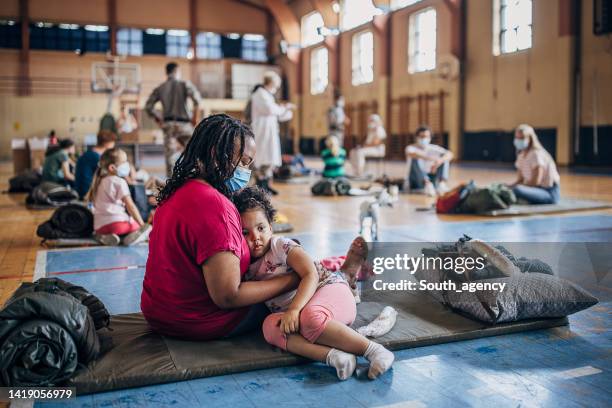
(131, 137)
(21, 155)
(38, 148)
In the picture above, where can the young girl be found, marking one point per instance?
(313, 320)
(115, 214)
(333, 158)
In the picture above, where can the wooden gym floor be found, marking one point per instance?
(19, 243)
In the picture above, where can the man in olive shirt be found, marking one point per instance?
(175, 119)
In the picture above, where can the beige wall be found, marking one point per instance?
(24, 117)
(531, 86)
(596, 84)
(69, 11)
(9, 8)
(212, 15)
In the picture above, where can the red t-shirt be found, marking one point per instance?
(195, 223)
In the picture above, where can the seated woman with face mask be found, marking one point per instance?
(538, 179)
(428, 164)
(374, 145)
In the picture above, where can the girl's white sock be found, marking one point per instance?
(380, 359)
(344, 363)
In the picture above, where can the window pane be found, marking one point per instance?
(362, 58)
(422, 41)
(515, 20)
(319, 69)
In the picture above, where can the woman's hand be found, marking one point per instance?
(290, 321)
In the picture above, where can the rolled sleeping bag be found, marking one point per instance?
(74, 219)
(58, 307)
(37, 353)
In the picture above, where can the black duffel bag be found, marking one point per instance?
(53, 194)
(24, 182)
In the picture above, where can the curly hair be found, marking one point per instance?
(254, 198)
(209, 154)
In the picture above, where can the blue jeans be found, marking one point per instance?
(252, 321)
(537, 195)
(416, 176)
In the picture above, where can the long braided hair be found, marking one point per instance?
(209, 154)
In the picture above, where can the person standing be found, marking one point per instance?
(337, 119)
(265, 115)
(175, 119)
(428, 164)
(538, 180)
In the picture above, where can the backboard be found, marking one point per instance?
(115, 78)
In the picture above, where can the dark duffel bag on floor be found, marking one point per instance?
(52, 194)
(68, 221)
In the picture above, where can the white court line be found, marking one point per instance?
(578, 372)
(40, 270)
(22, 404)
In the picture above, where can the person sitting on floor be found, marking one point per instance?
(428, 164)
(87, 164)
(374, 145)
(179, 147)
(538, 180)
(312, 321)
(57, 166)
(116, 217)
(333, 158)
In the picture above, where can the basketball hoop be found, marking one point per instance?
(115, 78)
(112, 77)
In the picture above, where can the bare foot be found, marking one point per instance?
(355, 258)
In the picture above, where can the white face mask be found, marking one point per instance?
(424, 141)
(123, 170)
(521, 144)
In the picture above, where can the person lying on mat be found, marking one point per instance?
(538, 179)
(312, 321)
(193, 286)
(116, 217)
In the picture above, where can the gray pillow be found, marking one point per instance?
(525, 296)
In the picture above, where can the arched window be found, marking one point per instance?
(356, 12)
(311, 23)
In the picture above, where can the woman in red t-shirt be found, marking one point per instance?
(197, 254)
